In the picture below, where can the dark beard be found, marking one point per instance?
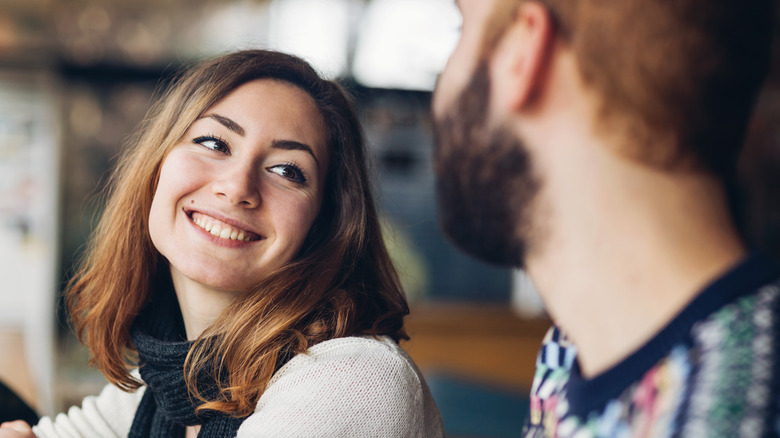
(485, 183)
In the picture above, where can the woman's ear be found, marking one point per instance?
(519, 63)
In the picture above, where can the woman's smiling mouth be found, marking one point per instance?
(221, 229)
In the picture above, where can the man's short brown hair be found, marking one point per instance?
(677, 77)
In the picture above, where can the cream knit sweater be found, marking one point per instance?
(357, 387)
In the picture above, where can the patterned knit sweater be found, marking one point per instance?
(714, 371)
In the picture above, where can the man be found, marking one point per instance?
(592, 143)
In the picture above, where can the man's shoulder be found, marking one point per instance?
(556, 357)
(742, 324)
(557, 351)
(725, 378)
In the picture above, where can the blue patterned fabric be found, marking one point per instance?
(714, 371)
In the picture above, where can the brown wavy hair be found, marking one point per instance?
(341, 283)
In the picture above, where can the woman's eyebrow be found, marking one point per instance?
(227, 123)
(288, 145)
(292, 145)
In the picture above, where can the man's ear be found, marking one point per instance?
(520, 59)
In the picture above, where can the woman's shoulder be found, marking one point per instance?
(365, 385)
(358, 346)
(356, 355)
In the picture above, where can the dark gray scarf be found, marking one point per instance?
(167, 407)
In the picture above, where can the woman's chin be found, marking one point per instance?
(218, 283)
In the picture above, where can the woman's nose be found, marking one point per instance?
(239, 186)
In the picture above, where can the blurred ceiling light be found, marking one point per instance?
(405, 43)
(316, 30)
(138, 43)
(224, 27)
(94, 19)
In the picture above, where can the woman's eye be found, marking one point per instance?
(289, 171)
(213, 143)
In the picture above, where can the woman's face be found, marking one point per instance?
(239, 192)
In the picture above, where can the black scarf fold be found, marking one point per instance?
(167, 407)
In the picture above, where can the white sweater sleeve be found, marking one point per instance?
(347, 387)
(107, 415)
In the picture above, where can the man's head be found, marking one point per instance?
(675, 80)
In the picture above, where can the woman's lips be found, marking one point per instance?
(222, 229)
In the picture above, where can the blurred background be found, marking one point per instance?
(77, 76)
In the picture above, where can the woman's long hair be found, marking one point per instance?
(341, 283)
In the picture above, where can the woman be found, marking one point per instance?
(241, 265)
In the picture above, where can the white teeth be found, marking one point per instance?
(223, 231)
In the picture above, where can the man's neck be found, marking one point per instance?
(617, 248)
(624, 253)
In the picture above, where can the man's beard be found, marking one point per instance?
(485, 185)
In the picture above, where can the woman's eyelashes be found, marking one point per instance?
(291, 171)
(212, 142)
